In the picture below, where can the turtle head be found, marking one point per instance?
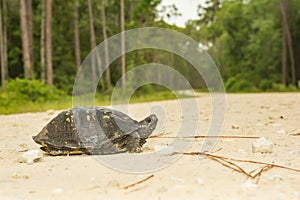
(147, 126)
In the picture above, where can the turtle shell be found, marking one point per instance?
(94, 130)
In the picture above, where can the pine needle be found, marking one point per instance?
(206, 136)
(139, 182)
(228, 162)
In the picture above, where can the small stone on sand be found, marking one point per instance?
(262, 145)
(30, 157)
(22, 147)
(281, 131)
(200, 181)
(57, 191)
(164, 150)
(249, 184)
(234, 126)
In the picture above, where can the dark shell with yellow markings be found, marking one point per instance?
(94, 130)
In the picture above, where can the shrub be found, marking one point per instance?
(240, 85)
(23, 90)
(282, 88)
(266, 85)
(230, 83)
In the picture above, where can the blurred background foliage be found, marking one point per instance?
(255, 44)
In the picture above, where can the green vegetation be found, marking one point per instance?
(246, 41)
(33, 96)
(24, 95)
(254, 43)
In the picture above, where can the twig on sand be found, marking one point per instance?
(294, 134)
(228, 162)
(262, 169)
(230, 165)
(139, 182)
(206, 136)
(239, 169)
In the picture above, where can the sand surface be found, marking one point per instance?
(274, 116)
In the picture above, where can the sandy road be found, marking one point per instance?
(275, 116)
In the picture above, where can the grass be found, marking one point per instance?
(36, 107)
(66, 103)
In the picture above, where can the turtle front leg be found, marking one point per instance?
(129, 142)
(133, 143)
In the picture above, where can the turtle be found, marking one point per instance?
(94, 130)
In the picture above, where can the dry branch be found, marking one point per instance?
(231, 165)
(139, 182)
(207, 136)
(227, 162)
(295, 134)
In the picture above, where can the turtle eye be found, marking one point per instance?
(148, 120)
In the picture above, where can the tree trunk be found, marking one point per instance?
(131, 11)
(29, 30)
(96, 61)
(1, 53)
(76, 36)
(104, 30)
(283, 6)
(42, 50)
(283, 61)
(123, 61)
(92, 41)
(28, 73)
(5, 39)
(48, 42)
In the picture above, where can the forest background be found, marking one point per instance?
(254, 43)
